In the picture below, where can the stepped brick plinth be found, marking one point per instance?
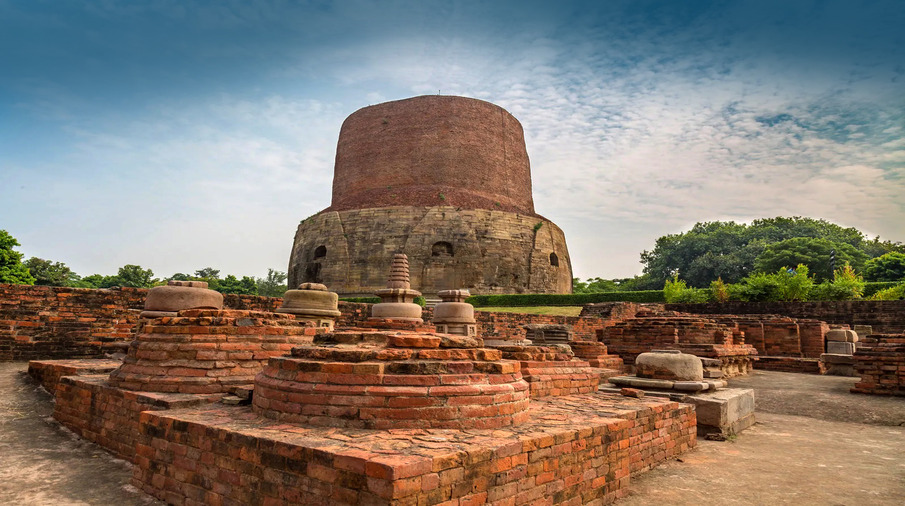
(207, 351)
(362, 378)
(553, 370)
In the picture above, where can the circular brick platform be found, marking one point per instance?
(207, 351)
(383, 380)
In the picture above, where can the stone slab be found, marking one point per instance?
(842, 335)
(840, 347)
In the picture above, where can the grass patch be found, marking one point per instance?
(551, 310)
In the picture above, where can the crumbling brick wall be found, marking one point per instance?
(44, 322)
(880, 361)
(886, 316)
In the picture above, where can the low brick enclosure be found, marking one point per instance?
(690, 334)
(45, 322)
(880, 361)
(49, 372)
(108, 416)
(574, 450)
(885, 316)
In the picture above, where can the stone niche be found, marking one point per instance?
(446, 181)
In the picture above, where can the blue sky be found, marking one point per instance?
(179, 135)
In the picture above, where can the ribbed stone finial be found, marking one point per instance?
(399, 272)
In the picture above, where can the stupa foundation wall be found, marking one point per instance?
(484, 251)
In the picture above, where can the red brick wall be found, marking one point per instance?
(255, 463)
(880, 361)
(886, 316)
(403, 152)
(109, 416)
(52, 322)
(45, 322)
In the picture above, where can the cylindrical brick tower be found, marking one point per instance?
(445, 180)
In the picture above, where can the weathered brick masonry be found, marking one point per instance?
(109, 416)
(880, 361)
(885, 316)
(44, 322)
(575, 450)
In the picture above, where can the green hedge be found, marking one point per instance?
(575, 299)
(872, 287)
(374, 300)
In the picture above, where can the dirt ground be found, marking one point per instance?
(41, 463)
(814, 443)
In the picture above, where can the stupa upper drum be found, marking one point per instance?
(446, 181)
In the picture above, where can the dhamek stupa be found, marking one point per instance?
(444, 180)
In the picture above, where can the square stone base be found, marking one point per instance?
(574, 450)
(727, 411)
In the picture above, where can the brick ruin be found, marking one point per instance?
(654, 329)
(322, 426)
(880, 362)
(220, 405)
(445, 180)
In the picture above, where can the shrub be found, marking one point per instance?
(677, 291)
(795, 285)
(719, 291)
(574, 299)
(846, 285)
(762, 287)
(896, 292)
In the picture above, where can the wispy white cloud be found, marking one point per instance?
(638, 124)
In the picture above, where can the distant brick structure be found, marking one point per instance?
(885, 316)
(445, 180)
(880, 361)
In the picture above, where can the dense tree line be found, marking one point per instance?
(733, 251)
(38, 271)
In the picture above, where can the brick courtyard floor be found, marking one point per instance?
(846, 450)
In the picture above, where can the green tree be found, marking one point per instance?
(845, 285)
(812, 252)
(49, 273)
(888, 267)
(135, 276)
(12, 270)
(274, 285)
(728, 250)
(231, 284)
(208, 273)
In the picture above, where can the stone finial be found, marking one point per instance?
(399, 272)
(190, 284)
(397, 299)
(313, 286)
